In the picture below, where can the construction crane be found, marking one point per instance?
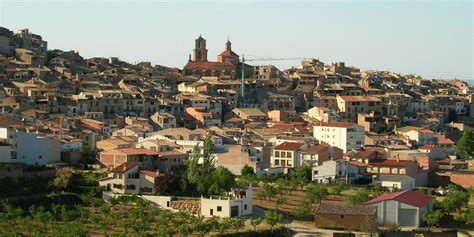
(242, 90)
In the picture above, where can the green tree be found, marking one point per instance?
(9, 213)
(466, 216)
(184, 230)
(63, 178)
(237, 223)
(201, 226)
(40, 215)
(166, 223)
(303, 174)
(102, 218)
(302, 210)
(465, 145)
(83, 214)
(273, 218)
(201, 166)
(338, 187)
(87, 155)
(280, 201)
(316, 192)
(225, 224)
(247, 171)
(454, 201)
(268, 190)
(222, 181)
(10, 217)
(433, 218)
(359, 197)
(281, 186)
(292, 184)
(261, 195)
(254, 222)
(452, 116)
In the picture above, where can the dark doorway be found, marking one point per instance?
(234, 211)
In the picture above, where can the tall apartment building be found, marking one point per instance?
(345, 136)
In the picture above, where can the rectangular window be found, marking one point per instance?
(219, 208)
(277, 154)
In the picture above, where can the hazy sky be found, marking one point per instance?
(431, 38)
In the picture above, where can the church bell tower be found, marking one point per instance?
(200, 51)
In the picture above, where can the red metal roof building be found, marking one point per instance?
(409, 197)
(405, 209)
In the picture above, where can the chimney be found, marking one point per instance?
(124, 168)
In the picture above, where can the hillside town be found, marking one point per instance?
(174, 136)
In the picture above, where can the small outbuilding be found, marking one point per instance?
(360, 217)
(405, 209)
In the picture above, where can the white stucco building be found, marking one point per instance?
(331, 170)
(128, 178)
(395, 182)
(345, 136)
(37, 149)
(238, 203)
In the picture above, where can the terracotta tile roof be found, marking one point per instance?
(315, 149)
(289, 146)
(6, 121)
(345, 209)
(442, 140)
(150, 173)
(463, 180)
(426, 147)
(359, 98)
(408, 197)
(124, 167)
(424, 162)
(228, 53)
(132, 151)
(427, 131)
(289, 127)
(358, 164)
(208, 65)
(363, 154)
(390, 162)
(338, 124)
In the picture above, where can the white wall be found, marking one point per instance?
(3, 133)
(325, 171)
(340, 137)
(208, 204)
(5, 153)
(37, 150)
